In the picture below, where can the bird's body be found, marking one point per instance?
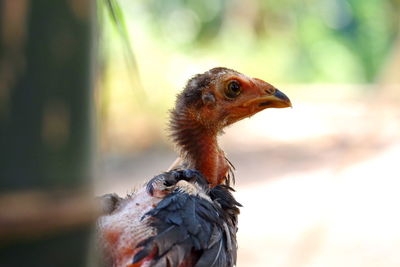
(183, 223)
(187, 216)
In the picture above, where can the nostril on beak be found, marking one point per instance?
(269, 91)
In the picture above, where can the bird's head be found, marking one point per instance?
(209, 102)
(221, 96)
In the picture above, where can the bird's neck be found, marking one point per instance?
(198, 146)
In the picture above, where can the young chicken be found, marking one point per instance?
(187, 216)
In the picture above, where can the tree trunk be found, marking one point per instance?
(45, 127)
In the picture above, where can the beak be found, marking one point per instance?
(277, 100)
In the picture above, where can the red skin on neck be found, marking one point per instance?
(209, 159)
(197, 141)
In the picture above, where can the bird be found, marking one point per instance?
(187, 215)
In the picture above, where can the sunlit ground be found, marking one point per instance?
(319, 183)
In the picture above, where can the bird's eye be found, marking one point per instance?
(233, 89)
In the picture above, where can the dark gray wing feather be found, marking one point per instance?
(193, 229)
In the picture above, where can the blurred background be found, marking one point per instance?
(318, 182)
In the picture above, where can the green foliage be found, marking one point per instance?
(319, 41)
